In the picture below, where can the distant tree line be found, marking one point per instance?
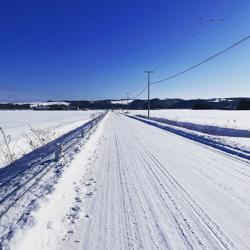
(244, 105)
(11, 106)
(196, 104)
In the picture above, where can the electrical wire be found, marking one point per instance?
(140, 93)
(204, 61)
(163, 60)
(160, 60)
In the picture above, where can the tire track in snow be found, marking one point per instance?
(215, 229)
(198, 210)
(132, 228)
(158, 191)
(182, 231)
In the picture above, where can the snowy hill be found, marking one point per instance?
(175, 103)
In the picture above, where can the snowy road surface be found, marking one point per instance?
(147, 188)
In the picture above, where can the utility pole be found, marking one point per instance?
(148, 72)
(127, 100)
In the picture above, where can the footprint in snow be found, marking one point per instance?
(78, 199)
(75, 208)
(17, 184)
(49, 224)
(89, 194)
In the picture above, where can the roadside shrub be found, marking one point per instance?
(38, 137)
(6, 150)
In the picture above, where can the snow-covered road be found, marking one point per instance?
(150, 189)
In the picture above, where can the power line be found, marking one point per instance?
(162, 60)
(140, 93)
(195, 37)
(194, 66)
(204, 61)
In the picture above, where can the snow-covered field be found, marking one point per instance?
(121, 102)
(35, 104)
(222, 118)
(223, 124)
(20, 125)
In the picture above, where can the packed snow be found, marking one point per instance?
(222, 118)
(136, 186)
(56, 225)
(239, 146)
(20, 126)
(222, 122)
(26, 183)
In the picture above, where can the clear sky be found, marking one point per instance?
(89, 49)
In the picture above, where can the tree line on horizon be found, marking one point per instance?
(196, 104)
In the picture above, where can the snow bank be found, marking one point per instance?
(220, 118)
(16, 123)
(239, 148)
(207, 129)
(55, 216)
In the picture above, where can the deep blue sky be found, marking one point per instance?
(99, 49)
